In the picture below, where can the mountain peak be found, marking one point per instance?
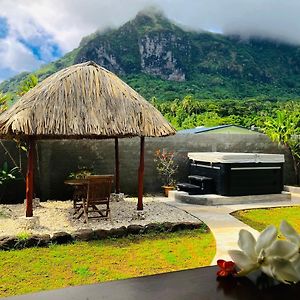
(151, 19)
(151, 48)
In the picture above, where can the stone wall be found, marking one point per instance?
(56, 159)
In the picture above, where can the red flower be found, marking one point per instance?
(227, 268)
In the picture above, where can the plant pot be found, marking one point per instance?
(167, 189)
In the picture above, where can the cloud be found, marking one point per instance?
(272, 19)
(16, 57)
(42, 30)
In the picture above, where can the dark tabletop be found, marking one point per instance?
(195, 284)
(76, 181)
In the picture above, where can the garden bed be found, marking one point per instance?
(58, 225)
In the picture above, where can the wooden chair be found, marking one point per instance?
(98, 194)
(79, 195)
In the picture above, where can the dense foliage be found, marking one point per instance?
(3, 102)
(284, 129)
(26, 85)
(190, 112)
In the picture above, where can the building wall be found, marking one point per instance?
(56, 159)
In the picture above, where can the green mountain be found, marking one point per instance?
(159, 58)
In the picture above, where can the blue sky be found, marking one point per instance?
(25, 51)
(3, 28)
(36, 32)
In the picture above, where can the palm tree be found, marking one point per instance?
(30, 82)
(284, 129)
(3, 102)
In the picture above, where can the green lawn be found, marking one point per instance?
(36, 269)
(260, 218)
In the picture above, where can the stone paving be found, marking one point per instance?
(225, 227)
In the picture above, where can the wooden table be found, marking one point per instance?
(76, 182)
(194, 284)
(79, 193)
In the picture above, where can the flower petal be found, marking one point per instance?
(266, 238)
(221, 263)
(283, 249)
(296, 263)
(247, 243)
(284, 271)
(267, 270)
(289, 232)
(244, 262)
(222, 273)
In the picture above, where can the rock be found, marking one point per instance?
(139, 215)
(134, 229)
(117, 197)
(83, 235)
(167, 226)
(8, 243)
(36, 202)
(177, 227)
(118, 232)
(61, 238)
(29, 223)
(153, 227)
(101, 234)
(2, 238)
(41, 240)
(198, 225)
(187, 226)
(37, 240)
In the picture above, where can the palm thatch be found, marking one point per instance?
(83, 101)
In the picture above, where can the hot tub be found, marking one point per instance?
(239, 174)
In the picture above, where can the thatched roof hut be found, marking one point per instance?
(82, 101)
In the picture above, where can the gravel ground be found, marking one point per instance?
(58, 216)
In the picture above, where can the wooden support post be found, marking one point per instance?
(29, 177)
(141, 175)
(117, 166)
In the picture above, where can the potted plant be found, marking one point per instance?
(81, 173)
(166, 168)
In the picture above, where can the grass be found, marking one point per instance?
(36, 269)
(260, 218)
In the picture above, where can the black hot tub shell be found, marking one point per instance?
(240, 174)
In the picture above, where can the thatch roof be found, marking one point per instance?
(83, 101)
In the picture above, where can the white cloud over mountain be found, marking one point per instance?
(39, 31)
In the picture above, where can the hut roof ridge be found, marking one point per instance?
(80, 101)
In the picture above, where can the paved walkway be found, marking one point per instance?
(225, 227)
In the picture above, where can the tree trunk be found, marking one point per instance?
(29, 178)
(141, 175)
(296, 166)
(117, 166)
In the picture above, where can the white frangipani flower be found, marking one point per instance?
(266, 253)
(290, 233)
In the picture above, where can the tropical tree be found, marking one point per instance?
(284, 129)
(3, 102)
(30, 82)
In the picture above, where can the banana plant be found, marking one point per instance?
(285, 130)
(7, 174)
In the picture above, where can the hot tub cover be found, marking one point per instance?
(229, 157)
